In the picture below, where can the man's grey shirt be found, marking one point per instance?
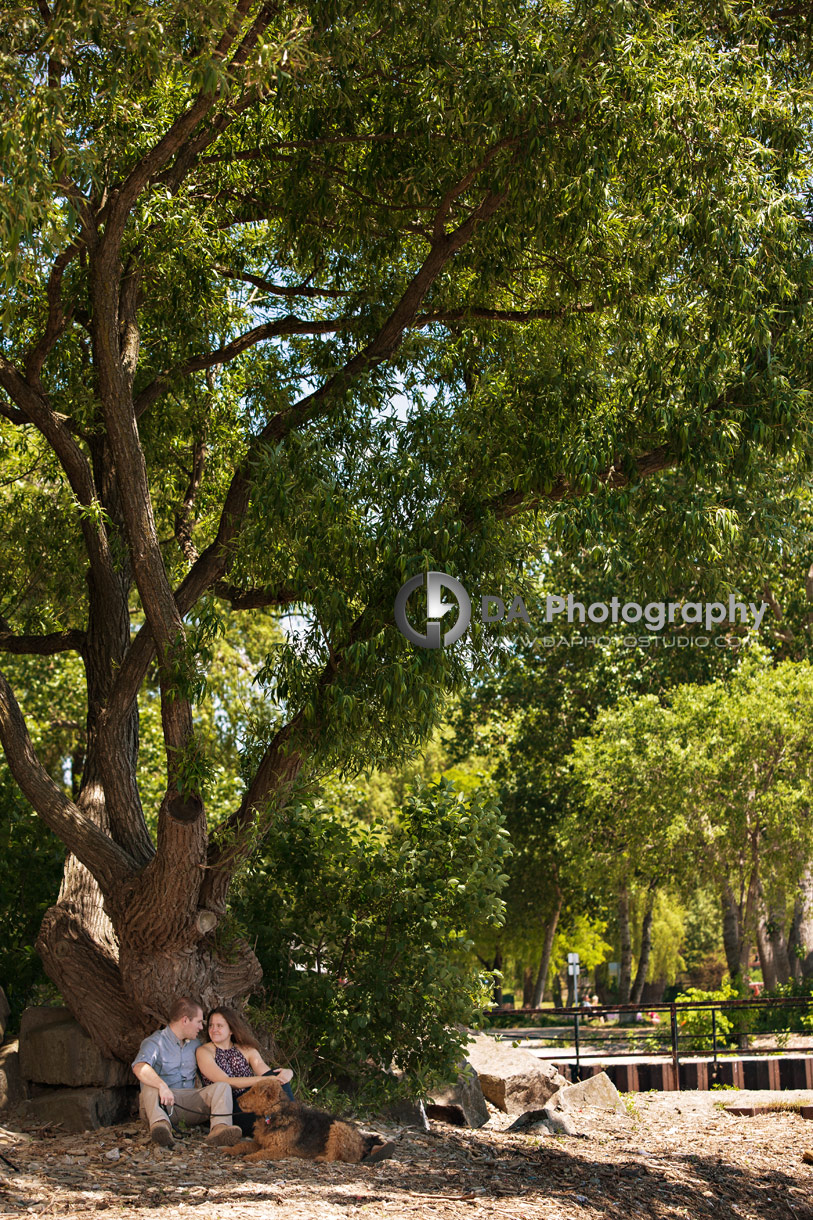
(173, 1060)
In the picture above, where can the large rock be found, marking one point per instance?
(80, 1109)
(5, 1013)
(513, 1080)
(407, 1114)
(461, 1103)
(12, 1089)
(597, 1091)
(54, 1049)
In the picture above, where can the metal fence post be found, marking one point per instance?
(576, 1039)
(675, 1060)
(714, 1036)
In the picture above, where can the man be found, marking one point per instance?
(165, 1067)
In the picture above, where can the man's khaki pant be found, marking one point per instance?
(192, 1106)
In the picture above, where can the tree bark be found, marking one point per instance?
(646, 947)
(801, 935)
(771, 943)
(547, 951)
(731, 932)
(625, 937)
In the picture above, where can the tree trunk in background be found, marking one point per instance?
(558, 997)
(547, 951)
(731, 932)
(771, 943)
(527, 987)
(497, 993)
(801, 933)
(646, 947)
(625, 936)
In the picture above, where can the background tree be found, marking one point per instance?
(574, 240)
(713, 785)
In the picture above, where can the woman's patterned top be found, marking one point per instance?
(234, 1063)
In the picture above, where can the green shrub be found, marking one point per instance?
(695, 1028)
(364, 935)
(31, 860)
(785, 1020)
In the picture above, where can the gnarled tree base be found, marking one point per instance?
(117, 1002)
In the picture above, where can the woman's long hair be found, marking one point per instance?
(241, 1034)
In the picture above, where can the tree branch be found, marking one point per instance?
(476, 314)
(56, 321)
(35, 409)
(289, 325)
(282, 290)
(254, 599)
(108, 862)
(184, 522)
(211, 565)
(40, 645)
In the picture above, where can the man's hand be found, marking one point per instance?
(148, 1075)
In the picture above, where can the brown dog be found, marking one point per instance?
(286, 1128)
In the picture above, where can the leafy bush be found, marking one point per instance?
(696, 1027)
(364, 934)
(785, 1020)
(31, 860)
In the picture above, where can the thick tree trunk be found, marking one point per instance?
(801, 935)
(646, 947)
(119, 962)
(625, 937)
(547, 951)
(527, 987)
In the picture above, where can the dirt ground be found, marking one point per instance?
(672, 1154)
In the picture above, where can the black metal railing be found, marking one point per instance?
(618, 1029)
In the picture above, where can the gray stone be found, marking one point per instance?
(597, 1091)
(513, 1080)
(407, 1113)
(5, 1013)
(79, 1109)
(545, 1121)
(461, 1103)
(559, 1123)
(55, 1050)
(12, 1088)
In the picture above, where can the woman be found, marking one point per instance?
(233, 1054)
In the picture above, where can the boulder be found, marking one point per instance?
(5, 1013)
(54, 1049)
(597, 1091)
(461, 1103)
(407, 1114)
(79, 1109)
(12, 1089)
(513, 1080)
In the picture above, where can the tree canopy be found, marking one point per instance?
(301, 300)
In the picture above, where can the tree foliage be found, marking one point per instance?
(301, 300)
(364, 932)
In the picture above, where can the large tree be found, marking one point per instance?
(301, 300)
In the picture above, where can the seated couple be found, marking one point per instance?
(228, 1064)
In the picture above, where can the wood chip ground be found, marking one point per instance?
(671, 1155)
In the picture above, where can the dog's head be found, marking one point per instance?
(262, 1098)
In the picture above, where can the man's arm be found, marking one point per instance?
(148, 1075)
